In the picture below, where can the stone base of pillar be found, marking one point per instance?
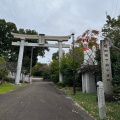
(18, 84)
(88, 83)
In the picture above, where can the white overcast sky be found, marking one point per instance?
(58, 17)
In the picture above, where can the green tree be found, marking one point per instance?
(111, 32)
(67, 60)
(9, 52)
(37, 51)
(54, 67)
(3, 69)
(38, 69)
(67, 66)
(42, 70)
(54, 71)
(6, 49)
(92, 35)
(55, 56)
(46, 72)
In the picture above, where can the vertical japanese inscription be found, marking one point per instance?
(106, 66)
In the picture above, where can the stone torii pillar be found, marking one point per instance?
(41, 43)
(60, 55)
(19, 64)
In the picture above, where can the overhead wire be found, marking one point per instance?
(116, 6)
(11, 13)
(112, 4)
(18, 11)
(2, 14)
(8, 10)
(119, 8)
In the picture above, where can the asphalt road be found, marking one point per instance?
(39, 101)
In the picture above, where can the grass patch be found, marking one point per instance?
(89, 103)
(7, 87)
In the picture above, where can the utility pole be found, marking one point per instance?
(73, 62)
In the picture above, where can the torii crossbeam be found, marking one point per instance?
(41, 43)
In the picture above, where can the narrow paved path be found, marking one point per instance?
(39, 101)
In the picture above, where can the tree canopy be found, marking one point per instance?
(111, 32)
(6, 49)
(92, 35)
(9, 52)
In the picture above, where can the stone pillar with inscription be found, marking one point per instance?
(101, 100)
(106, 68)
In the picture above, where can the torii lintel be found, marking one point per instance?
(41, 43)
(47, 38)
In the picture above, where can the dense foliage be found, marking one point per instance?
(38, 69)
(3, 70)
(9, 52)
(27, 50)
(6, 49)
(71, 62)
(54, 71)
(66, 67)
(111, 32)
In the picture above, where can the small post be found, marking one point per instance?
(101, 100)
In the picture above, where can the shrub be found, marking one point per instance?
(55, 78)
(7, 79)
(3, 70)
(46, 75)
(61, 84)
(116, 90)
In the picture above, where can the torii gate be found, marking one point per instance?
(41, 43)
